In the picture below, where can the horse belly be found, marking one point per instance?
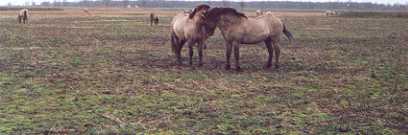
(252, 39)
(254, 36)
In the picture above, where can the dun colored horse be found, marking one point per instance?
(22, 16)
(188, 28)
(259, 12)
(237, 29)
(330, 13)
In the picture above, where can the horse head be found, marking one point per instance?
(213, 15)
(199, 12)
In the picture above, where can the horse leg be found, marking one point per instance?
(228, 50)
(200, 53)
(268, 44)
(19, 19)
(178, 51)
(236, 54)
(276, 48)
(190, 51)
(176, 46)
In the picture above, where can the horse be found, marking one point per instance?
(259, 12)
(236, 29)
(86, 11)
(330, 13)
(22, 16)
(156, 20)
(186, 28)
(152, 17)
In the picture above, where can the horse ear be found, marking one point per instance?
(192, 13)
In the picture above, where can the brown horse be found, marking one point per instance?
(152, 17)
(156, 20)
(237, 29)
(188, 28)
(22, 16)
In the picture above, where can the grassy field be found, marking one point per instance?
(374, 14)
(110, 73)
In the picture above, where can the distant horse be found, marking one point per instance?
(259, 12)
(237, 29)
(156, 20)
(185, 28)
(330, 13)
(22, 16)
(86, 11)
(152, 19)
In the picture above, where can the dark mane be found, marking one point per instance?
(198, 8)
(216, 12)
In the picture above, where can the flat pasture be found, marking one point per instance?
(106, 71)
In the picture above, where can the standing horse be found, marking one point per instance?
(156, 20)
(237, 29)
(22, 16)
(188, 28)
(259, 12)
(330, 13)
(151, 18)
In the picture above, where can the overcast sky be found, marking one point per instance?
(21, 2)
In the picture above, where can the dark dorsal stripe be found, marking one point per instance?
(214, 13)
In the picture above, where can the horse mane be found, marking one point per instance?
(216, 12)
(198, 8)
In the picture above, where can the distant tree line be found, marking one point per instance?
(267, 5)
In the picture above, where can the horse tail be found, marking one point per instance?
(174, 41)
(288, 34)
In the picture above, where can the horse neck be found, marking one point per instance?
(197, 24)
(228, 21)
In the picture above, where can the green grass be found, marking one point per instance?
(347, 77)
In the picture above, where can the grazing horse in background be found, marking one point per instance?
(156, 20)
(237, 29)
(86, 11)
(259, 12)
(22, 16)
(188, 28)
(330, 13)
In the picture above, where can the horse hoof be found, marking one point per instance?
(267, 66)
(238, 69)
(179, 63)
(200, 65)
(227, 67)
(277, 66)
